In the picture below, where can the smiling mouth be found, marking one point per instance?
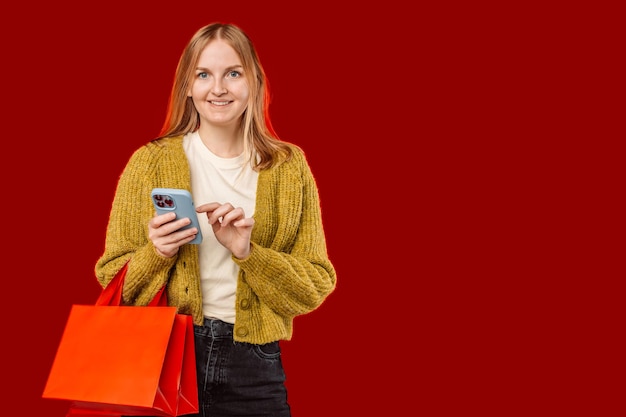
(219, 103)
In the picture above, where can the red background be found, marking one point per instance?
(450, 169)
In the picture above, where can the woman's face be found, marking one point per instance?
(219, 89)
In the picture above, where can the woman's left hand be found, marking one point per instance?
(231, 227)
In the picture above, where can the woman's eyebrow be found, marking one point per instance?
(230, 68)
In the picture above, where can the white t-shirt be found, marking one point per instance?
(223, 180)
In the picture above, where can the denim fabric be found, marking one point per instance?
(237, 379)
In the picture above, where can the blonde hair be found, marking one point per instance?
(260, 139)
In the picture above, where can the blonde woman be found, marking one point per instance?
(263, 258)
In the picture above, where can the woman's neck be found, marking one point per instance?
(225, 143)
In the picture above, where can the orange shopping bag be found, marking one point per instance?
(125, 360)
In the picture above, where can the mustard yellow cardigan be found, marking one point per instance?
(288, 272)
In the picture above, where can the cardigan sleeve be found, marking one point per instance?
(289, 270)
(127, 231)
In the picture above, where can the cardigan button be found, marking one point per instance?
(244, 304)
(241, 331)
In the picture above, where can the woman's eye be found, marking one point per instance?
(234, 74)
(202, 75)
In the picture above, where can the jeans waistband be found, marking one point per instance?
(218, 327)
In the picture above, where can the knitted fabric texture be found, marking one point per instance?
(288, 272)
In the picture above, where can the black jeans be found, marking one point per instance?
(238, 379)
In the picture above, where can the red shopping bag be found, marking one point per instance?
(125, 360)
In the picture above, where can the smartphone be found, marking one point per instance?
(179, 201)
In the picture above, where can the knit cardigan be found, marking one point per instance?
(288, 272)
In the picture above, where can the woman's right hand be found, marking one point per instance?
(166, 236)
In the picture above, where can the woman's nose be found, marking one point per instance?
(218, 88)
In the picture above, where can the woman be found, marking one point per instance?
(263, 259)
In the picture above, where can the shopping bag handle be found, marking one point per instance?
(111, 295)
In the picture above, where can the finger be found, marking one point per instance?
(218, 214)
(176, 239)
(169, 229)
(207, 207)
(232, 216)
(245, 222)
(159, 220)
(168, 246)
